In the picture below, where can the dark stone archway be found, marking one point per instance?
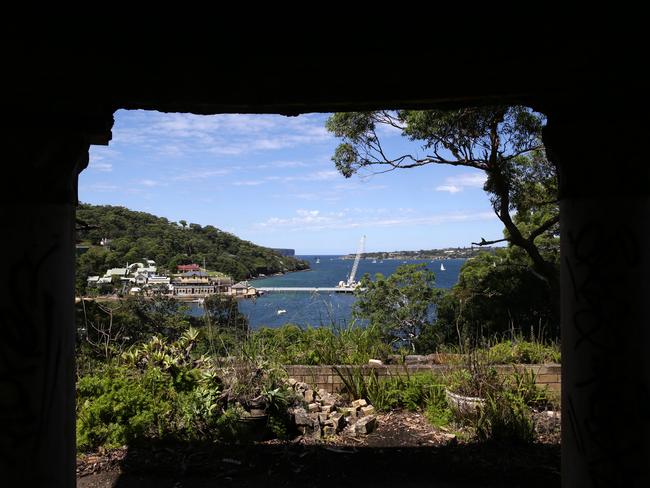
(60, 98)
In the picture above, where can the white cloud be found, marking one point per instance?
(314, 220)
(151, 183)
(474, 180)
(100, 166)
(200, 174)
(449, 188)
(225, 134)
(317, 176)
(350, 185)
(280, 164)
(248, 183)
(101, 187)
(287, 164)
(455, 184)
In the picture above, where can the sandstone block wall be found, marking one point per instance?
(326, 377)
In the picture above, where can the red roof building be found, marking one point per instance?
(188, 267)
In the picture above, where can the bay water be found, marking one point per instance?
(319, 309)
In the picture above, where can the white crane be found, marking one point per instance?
(350, 283)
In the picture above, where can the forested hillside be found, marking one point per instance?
(135, 236)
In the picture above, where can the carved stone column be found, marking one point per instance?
(37, 330)
(605, 279)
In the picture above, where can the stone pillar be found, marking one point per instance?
(605, 303)
(37, 330)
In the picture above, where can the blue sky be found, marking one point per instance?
(269, 179)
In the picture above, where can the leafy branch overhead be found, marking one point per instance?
(504, 142)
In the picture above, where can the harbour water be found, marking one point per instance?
(319, 308)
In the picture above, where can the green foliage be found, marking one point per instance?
(291, 344)
(497, 294)
(400, 305)
(160, 390)
(224, 326)
(502, 141)
(128, 321)
(505, 418)
(438, 413)
(138, 235)
(117, 408)
(477, 381)
(409, 391)
(506, 413)
(523, 352)
(277, 400)
(223, 313)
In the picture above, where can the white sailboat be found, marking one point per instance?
(442, 267)
(317, 260)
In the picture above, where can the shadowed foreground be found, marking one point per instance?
(296, 465)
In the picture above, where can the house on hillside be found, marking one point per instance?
(184, 268)
(193, 283)
(243, 288)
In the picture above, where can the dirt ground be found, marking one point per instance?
(404, 451)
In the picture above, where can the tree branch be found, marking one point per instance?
(544, 227)
(487, 243)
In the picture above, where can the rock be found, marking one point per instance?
(348, 411)
(292, 382)
(329, 399)
(366, 425)
(338, 420)
(447, 438)
(415, 359)
(375, 362)
(359, 403)
(327, 408)
(309, 395)
(322, 418)
(329, 431)
(313, 407)
(552, 414)
(369, 410)
(300, 417)
(305, 429)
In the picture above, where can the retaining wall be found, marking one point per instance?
(546, 375)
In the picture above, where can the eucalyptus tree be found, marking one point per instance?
(503, 141)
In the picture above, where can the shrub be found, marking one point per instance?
(506, 412)
(117, 409)
(523, 352)
(505, 418)
(352, 344)
(412, 392)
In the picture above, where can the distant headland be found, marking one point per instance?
(285, 252)
(434, 254)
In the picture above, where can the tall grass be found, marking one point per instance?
(347, 344)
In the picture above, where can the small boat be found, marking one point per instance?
(280, 312)
(442, 267)
(374, 261)
(317, 260)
